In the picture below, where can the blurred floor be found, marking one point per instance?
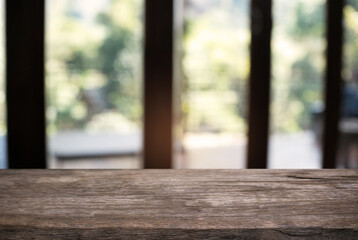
(298, 151)
(97, 163)
(219, 151)
(215, 151)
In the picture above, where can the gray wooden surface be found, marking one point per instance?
(178, 204)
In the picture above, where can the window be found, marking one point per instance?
(216, 66)
(298, 62)
(94, 80)
(94, 58)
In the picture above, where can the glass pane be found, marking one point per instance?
(3, 161)
(348, 151)
(94, 80)
(216, 66)
(298, 45)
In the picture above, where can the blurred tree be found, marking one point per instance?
(94, 63)
(298, 62)
(100, 59)
(351, 43)
(308, 22)
(215, 65)
(305, 88)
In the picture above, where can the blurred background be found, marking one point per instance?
(94, 56)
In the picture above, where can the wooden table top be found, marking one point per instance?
(178, 204)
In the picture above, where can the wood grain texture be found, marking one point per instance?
(178, 204)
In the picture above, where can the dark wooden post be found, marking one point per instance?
(333, 86)
(259, 86)
(25, 83)
(158, 83)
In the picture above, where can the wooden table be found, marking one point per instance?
(178, 204)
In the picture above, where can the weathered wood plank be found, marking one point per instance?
(178, 204)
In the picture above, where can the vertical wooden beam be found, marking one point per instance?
(158, 83)
(333, 84)
(259, 86)
(25, 83)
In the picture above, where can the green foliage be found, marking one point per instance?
(298, 63)
(216, 65)
(305, 88)
(216, 69)
(103, 56)
(309, 21)
(351, 43)
(94, 65)
(353, 4)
